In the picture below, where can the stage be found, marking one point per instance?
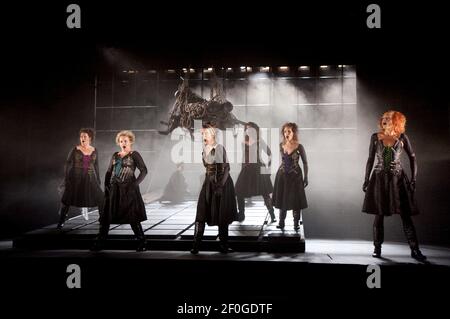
(168, 276)
(171, 227)
(264, 256)
(334, 264)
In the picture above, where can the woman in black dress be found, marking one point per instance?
(251, 181)
(217, 202)
(388, 190)
(82, 179)
(289, 189)
(123, 200)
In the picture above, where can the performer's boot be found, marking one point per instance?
(139, 232)
(296, 214)
(241, 208)
(268, 203)
(99, 243)
(417, 255)
(282, 218)
(198, 234)
(378, 236)
(62, 215)
(223, 237)
(411, 236)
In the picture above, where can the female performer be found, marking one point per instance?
(217, 202)
(82, 179)
(123, 200)
(388, 190)
(289, 189)
(251, 181)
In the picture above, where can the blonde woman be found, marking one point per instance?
(388, 190)
(290, 183)
(216, 204)
(123, 200)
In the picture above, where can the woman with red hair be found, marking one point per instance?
(290, 182)
(388, 190)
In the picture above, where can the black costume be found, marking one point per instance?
(289, 189)
(123, 200)
(81, 183)
(388, 191)
(217, 202)
(251, 182)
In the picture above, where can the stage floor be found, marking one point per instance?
(171, 227)
(329, 269)
(253, 275)
(319, 251)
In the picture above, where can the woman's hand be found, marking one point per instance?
(365, 185)
(412, 186)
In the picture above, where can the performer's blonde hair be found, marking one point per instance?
(126, 133)
(211, 129)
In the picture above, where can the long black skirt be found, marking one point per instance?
(388, 194)
(82, 190)
(289, 191)
(251, 182)
(123, 204)
(217, 208)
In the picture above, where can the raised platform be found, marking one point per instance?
(171, 227)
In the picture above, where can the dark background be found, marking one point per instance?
(48, 71)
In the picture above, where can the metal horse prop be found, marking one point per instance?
(189, 106)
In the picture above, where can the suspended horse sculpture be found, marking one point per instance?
(189, 106)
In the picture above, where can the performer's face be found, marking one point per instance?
(288, 134)
(208, 137)
(85, 140)
(124, 143)
(386, 121)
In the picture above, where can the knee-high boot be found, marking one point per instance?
(139, 232)
(99, 242)
(268, 203)
(296, 214)
(62, 215)
(198, 235)
(241, 208)
(223, 237)
(411, 236)
(378, 235)
(282, 218)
